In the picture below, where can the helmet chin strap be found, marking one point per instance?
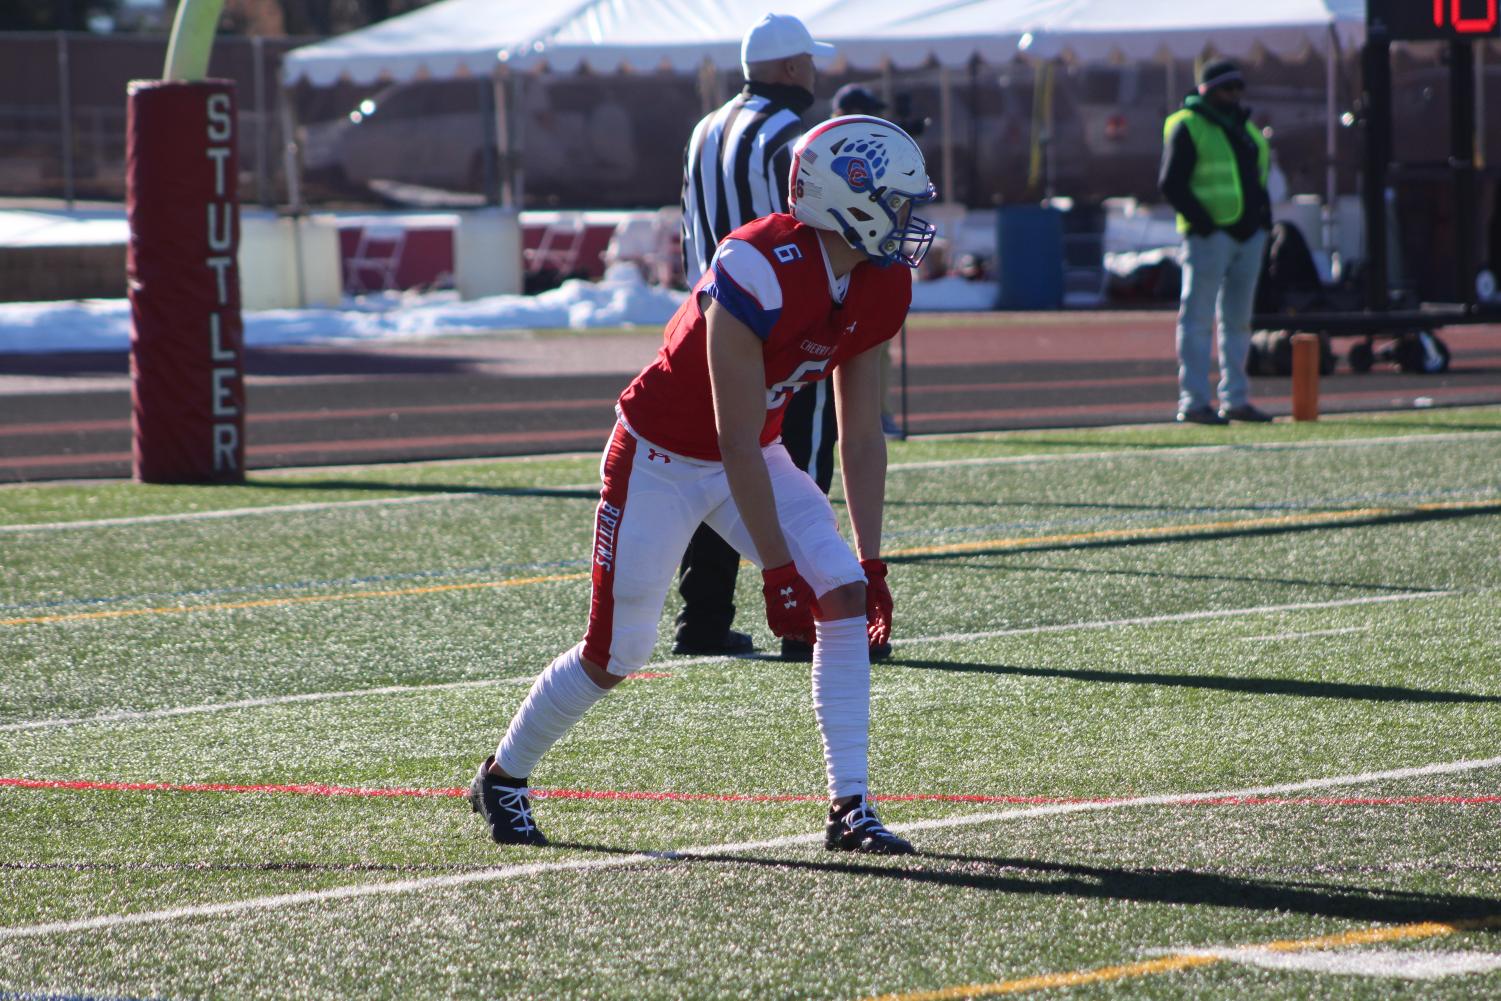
(850, 233)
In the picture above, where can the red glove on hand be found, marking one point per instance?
(790, 603)
(877, 602)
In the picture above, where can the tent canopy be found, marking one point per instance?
(453, 38)
(613, 35)
(1095, 30)
(473, 37)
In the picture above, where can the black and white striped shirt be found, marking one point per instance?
(736, 167)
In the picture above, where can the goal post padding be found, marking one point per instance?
(186, 340)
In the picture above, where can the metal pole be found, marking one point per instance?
(1331, 137)
(65, 106)
(490, 119)
(1480, 105)
(262, 141)
(1377, 108)
(1047, 112)
(517, 128)
(1462, 160)
(946, 114)
(291, 164)
(506, 167)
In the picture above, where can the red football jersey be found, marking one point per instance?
(773, 276)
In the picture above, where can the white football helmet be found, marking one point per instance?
(861, 177)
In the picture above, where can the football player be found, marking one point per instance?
(789, 299)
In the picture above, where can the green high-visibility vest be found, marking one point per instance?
(1215, 181)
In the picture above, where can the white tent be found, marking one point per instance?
(1130, 29)
(471, 37)
(452, 38)
(612, 35)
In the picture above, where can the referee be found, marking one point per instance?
(736, 169)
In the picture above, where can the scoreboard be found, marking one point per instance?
(1424, 20)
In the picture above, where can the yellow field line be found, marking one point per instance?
(310, 599)
(1186, 528)
(1171, 964)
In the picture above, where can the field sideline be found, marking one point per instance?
(1169, 716)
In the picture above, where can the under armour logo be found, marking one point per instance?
(652, 453)
(787, 600)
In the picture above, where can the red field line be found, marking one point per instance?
(321, 789)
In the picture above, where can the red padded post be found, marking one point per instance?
(187, 369)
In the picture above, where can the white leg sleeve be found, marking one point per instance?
(841, 701)
(559, 698)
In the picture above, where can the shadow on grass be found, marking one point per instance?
(1207, 534)
(1299, 687)
(1034, 877)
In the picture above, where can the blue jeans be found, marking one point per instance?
(1219, 275)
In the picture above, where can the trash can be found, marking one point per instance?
(1029, 257)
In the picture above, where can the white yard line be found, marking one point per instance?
(1147, 620)
(338, 893)
(272, 700)
(1304, 635)
(1402, 964)
(153, 714)
(1008, 460)
(242, 512)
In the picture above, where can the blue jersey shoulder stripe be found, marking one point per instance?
(741, 304)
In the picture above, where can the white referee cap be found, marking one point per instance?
(778, 36)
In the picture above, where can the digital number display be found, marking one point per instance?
(1415, 20)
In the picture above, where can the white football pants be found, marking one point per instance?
(651, 503)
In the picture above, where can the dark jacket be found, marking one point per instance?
(1179, 156)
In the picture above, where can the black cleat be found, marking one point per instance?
(796, 651)
(731, 644)
(856, 828)
(507, 809)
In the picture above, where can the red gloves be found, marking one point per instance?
(877, 602)
(789, 603)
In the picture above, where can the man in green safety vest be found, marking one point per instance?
(1214, 172)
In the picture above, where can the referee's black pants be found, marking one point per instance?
(707, 574)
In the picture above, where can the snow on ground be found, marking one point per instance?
(621, 298)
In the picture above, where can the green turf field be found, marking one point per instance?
(1173, 713)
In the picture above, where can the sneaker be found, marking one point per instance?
(891, 429)
(880, 651)
(1247, 413)
(1201, 415)
(856, 828)
(731, 644)
(506, 808)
